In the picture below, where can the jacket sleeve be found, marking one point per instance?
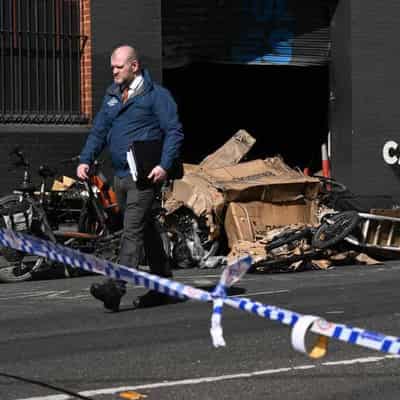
(97, 137)
(167, 112)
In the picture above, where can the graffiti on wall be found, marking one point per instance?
(266, 33)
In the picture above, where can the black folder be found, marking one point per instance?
(147, 154)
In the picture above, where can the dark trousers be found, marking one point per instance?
(141, 228)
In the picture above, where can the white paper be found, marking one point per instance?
(132, 164)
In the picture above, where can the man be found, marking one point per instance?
(134, 109)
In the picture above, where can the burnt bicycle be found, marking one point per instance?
(84, 216)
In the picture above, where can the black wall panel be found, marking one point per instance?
(341, 93)
(42, 145)
(133, 22)
(375, 87)
(365, 86)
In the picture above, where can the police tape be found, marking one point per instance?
(302, 324)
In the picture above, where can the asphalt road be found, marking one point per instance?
(53, 332)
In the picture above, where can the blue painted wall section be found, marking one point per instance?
(266, 33)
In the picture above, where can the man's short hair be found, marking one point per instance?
(133, 54)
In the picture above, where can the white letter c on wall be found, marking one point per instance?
(388, 150)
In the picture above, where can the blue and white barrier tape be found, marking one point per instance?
(58, 253)
(231, 274)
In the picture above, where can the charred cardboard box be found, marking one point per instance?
(196, 190)
(273, 196)
(251, 203)
(246, 198)
(253, 220)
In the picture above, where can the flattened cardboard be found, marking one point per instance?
(241, 248)
(267, 180)
(251, 221)
(203, 199)
(231, 152)
(63, 183)
(197, 194)
(190, 168)
(207, 190)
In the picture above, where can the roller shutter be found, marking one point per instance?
(282, 32)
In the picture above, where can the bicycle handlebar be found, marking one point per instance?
(70, 160)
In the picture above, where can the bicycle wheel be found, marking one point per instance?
(287, 237)
(335, 228)
(330, 185)
(189, 234)
(15, 266)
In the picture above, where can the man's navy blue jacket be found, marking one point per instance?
(151, 115)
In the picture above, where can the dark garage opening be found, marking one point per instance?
(284, 107)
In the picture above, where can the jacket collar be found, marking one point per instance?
(115, 90)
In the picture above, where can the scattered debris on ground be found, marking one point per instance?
(253, 205)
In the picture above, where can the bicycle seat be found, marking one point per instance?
(27, 187)
(46, 172)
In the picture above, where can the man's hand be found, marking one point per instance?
(82, 171)
(157, 174)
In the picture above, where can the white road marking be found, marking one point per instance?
(34, 294)
(49, 294)
(78, 296)
(68, 295)
(200, 277)
(259, 293)
(203, 282)
(334, 312)
(305, 367)
(210, 379)
(354, 361)
(209, 282)
(16, 293)
(57, 294)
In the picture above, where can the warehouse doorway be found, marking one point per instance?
(284, 107)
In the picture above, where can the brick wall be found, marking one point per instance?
(106, 26)
(86, 60)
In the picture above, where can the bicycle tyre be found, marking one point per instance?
(334, 185)
(288, 237)
(335, 229)
(15, 266)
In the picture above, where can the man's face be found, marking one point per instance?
(123, 71)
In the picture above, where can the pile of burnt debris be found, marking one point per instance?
(286, 220)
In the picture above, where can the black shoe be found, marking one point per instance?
(151, 299)
(109, 292)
